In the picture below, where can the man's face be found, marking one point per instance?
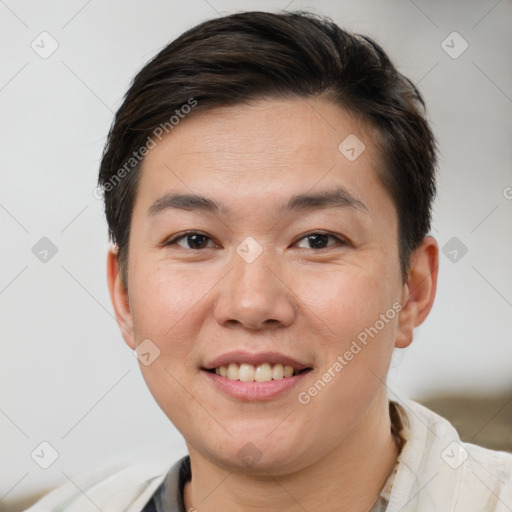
(254, 276)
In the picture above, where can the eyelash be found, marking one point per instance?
(173, 241)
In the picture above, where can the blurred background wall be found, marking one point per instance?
(66, 376)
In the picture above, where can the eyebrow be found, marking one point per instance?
(333, 198)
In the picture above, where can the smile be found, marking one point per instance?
(264, 372)
(253, 391)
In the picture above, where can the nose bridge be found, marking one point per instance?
(253, 295)
(252, 277)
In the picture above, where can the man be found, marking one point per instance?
(268, 188)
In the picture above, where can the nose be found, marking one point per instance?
(255, 295)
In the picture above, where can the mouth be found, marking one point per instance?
(245, 382)
(264, 372)
(250, 377)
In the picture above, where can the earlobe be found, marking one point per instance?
(119, 297)
(419, 291)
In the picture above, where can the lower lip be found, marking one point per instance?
(254, 391)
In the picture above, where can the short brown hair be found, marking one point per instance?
(247, 56)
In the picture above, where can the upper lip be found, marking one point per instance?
(238, 356)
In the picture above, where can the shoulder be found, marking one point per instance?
(125, 489)
(437, 471)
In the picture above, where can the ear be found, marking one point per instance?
(119, 297)
(419, 291)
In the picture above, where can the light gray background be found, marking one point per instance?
(66, 376)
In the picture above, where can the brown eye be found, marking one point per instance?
(320, 240)
(191, 241)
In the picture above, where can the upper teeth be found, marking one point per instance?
(261, 373)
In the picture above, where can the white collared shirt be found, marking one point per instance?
(435, 472)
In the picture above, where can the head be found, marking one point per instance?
(309, 171)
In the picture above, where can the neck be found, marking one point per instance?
(351, 475)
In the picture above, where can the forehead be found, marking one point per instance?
(269, 149)
(305, 127)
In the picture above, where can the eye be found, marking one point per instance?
(319, 240)
(192, 240)
(195, 240)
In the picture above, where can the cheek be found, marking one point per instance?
(345, 312)
(355, 341)
(163, 312)
(162, 296)
(343, 301)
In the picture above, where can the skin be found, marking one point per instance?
(196, 304)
